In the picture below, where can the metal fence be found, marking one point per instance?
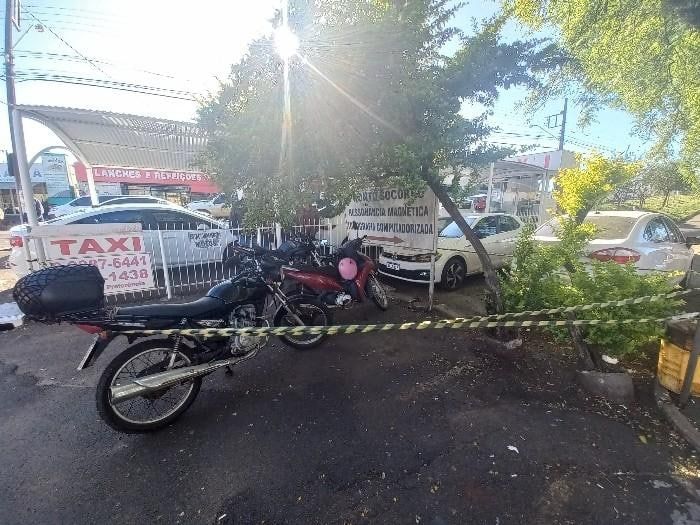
(190, 258)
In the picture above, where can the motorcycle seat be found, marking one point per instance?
(330, 271)
(194, 309)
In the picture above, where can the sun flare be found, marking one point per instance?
(286, 42)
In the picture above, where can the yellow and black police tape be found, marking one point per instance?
(589, 307)
(459, 323)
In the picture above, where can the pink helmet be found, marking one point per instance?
(347, 268)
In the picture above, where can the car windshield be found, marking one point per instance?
(607, 226)
(450, 228)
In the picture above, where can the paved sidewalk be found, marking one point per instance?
(691, 226)
(423, 427)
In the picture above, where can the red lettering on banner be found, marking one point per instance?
(64, 245)
(117, 244)
(90, 245)
(137, 243)
(197, 181)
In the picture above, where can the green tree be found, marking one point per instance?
(553, 275)
(666, 177)
(582, 188)
(640, 55)
(369, 99)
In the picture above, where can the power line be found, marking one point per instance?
(77, 58)
(109, 84)
(98, 68)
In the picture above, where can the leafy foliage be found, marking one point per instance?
(579, 189)
(551, 276)
(640, 55)
(666, 177)
(370, 99)
(679, 207)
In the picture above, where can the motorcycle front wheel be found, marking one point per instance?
(377, 292)
(311, 312)
(153, 410)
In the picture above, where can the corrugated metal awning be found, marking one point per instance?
(101, 138)
(507, 170)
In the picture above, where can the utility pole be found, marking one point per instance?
(19, 159)
(558, 120)
(563, 125)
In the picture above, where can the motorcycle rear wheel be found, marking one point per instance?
(151, 411)
(313, 313)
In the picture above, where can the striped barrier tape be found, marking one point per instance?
(422, 325)
(587, 307)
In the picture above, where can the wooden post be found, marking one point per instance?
(690, 370)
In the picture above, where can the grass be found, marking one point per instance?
(680, 207)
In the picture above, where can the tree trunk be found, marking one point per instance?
(584, 353)
(666, 196)
(492, 283)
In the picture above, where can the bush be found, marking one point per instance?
(546, 276)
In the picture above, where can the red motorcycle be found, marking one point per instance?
(328, 285)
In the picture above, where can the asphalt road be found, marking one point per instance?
(418, 427)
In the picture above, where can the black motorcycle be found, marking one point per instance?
(153, 381)
(298, 250)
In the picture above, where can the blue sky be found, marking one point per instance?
(181, 47)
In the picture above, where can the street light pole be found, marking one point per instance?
(19, 159)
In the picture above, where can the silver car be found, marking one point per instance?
(651, 241)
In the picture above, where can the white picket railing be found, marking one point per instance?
(187, 261)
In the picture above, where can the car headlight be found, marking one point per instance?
(424, 257)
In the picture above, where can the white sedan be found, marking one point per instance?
(85, 203)
(651, 241)
(456, 258)
(189, 238)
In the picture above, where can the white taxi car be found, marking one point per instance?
(455, 258)
(189, 238)
(85, 203)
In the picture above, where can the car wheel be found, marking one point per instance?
(453, 274)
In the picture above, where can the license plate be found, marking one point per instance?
(393, 266)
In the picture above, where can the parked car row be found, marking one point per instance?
(650, 241)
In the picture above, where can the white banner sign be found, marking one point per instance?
(126, 272)
(119, 254)
(395, 217)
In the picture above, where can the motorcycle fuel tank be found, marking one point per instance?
(313, 280)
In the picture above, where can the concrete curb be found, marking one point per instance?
(681, 423)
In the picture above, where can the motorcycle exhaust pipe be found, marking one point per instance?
(153, 383)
